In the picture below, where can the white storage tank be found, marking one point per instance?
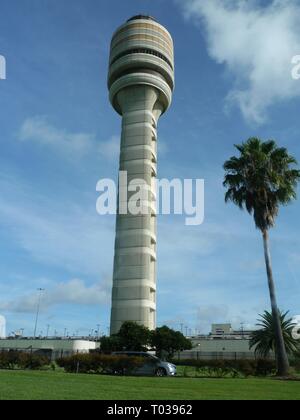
(2, 327)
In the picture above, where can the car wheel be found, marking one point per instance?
(160, 372)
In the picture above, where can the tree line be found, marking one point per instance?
(134, 337)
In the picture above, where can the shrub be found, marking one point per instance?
(245, 367)
(81, 363)
(21, 360)
(100, 364)
(265, 367)
(295, 363)
(232, 368)
(8, 359)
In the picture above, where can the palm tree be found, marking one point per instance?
(260, 180)
(264, 339)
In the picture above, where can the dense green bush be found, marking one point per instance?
(295, 363)
(21, 360)
(265, 367)
(167, 342)
(100, 364)
(231, 368)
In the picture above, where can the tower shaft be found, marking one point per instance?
(134, 281)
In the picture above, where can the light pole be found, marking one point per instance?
(38, 310)
(98, 327)
(48, 328)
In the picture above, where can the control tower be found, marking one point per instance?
(140, 82)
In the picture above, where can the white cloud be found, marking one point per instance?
(110, 149)
(38, 130)
(60, 234)
(217, 312)
(211, 314)
(74, 292)
(162, 147)
(256, 44)
(237, 315)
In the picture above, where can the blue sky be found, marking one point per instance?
(59, 136)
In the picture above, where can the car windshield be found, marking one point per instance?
(153, 357)
(150, 356)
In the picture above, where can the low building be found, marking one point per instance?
(225, 331)
(227, 348)
(53, 348)
(222, 343)
(221, 329)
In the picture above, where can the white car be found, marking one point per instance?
(153, 366)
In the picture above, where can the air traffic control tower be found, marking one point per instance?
(141, 82)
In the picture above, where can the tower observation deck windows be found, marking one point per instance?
(142, 51)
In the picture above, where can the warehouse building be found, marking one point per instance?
(223, 342)
(53, 348)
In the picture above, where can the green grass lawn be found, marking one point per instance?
(16, 385)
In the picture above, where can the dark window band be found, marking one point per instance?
(142, 51)
(116, 76)
(145, 17)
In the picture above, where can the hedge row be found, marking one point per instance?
(295, 363)
(21, 360)
(234, 368)
(100, 364)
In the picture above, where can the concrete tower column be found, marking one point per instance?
(141, 81)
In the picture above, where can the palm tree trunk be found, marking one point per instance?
(281, 354)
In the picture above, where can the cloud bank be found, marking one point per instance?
(39, 131)
(256, 45)
(74, 292)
